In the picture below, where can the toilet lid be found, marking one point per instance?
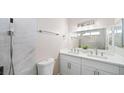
(47, 61)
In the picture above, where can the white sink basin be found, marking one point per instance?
(98, 56)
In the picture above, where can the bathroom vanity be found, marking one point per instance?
(83, 64)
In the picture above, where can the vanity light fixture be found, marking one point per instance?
(95, 33)
(86, 23)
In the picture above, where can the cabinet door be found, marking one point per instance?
(88, 70)
(92, 71)
(64, 68)
(102, 66)
(74, 69)
(104, 73)
(121, 71)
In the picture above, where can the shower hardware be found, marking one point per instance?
(10, 33)
(11, 20)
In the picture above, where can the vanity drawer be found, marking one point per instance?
(102, 66)
(73, 59)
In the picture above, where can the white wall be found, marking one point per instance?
(49, 45)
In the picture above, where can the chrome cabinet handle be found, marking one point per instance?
(102, 54)
(94, 72)
(69, 65)
(98, 73)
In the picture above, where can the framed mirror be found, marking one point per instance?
(94, 38)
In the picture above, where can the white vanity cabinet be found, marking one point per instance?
(92, 67)
(70, 65)
(86, 70)
(100, 72)
(74, 65)
(93, 71)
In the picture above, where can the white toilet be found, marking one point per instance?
(46, 67)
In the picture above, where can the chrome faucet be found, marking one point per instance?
(75, 50)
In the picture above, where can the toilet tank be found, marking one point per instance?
(45, 67)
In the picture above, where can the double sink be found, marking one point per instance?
(90, 53)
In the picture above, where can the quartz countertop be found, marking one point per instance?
(114, 59)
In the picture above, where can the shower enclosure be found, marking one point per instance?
(18, 47)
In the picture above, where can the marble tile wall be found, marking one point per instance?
(24, 42)
(24, 39)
